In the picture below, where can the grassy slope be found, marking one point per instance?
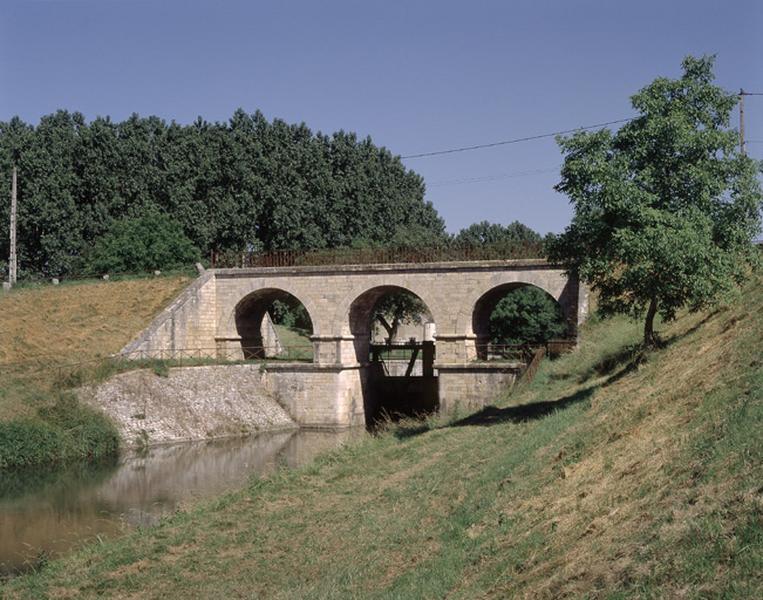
(41, 421)
(71, 323)
(612, 475)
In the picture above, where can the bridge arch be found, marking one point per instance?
(248, 315)
(359, 315)
(346, 311)
(558, 286)
(487, 303)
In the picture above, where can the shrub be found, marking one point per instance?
(64, 432)
(87, 433)
(150, 242)
(28, 443)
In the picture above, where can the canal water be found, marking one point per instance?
(47, 514)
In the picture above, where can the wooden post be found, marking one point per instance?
(12, 262)
(741, 121)
(427, 359)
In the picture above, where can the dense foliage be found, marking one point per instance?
(666, 208)
(485, 233)
(292, 315)
(246, 184)
(63, 432)
(152, 241)
(527, 315)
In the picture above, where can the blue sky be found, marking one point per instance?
(415, 76)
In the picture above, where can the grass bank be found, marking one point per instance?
(41, 422)
(615, 474)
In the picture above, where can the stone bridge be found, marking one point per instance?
(221, 314)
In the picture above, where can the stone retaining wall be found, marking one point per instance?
(190, 403)
(471, 386)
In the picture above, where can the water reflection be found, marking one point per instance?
(47, 514)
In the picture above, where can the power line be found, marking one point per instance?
(515, 140)
(496, 177)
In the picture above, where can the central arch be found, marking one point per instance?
(361, 316)
(397, 375)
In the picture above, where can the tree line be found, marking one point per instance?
(241, 185)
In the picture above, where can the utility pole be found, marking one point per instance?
(12, 266)
(741, 121)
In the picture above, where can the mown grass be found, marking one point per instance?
(79, 321)
(41, 422)
(296, 343)
(617, 473)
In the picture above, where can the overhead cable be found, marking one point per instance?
(515, 140)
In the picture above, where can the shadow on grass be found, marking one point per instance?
(492, 415)
(631, 355)
(693, 329)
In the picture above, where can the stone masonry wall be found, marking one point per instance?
(319, 397)
(186, 324)
(203, 402)
(470, 387)
(190, 403)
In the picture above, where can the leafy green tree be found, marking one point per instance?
(514, 240)
(527, 315)
(152, 241)
(666, 208)
(242, 185)
(292, 315)
(398, 307)
(485, 233)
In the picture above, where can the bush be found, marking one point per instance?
(87, 433)
(64, 432)
(293, 316)
(28, 443)
(147, 243)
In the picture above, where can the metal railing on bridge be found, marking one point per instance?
(387, 255)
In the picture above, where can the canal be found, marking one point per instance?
(44, 515)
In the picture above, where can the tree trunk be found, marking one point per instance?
(386, 326)
(395, 326)
(650, 339)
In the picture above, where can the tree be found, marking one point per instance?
(246, 184)
(396, 308)
(666, 208)
(495, 241)
(484, 233)
(293, 315)
(153, 241)
(527, 315)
